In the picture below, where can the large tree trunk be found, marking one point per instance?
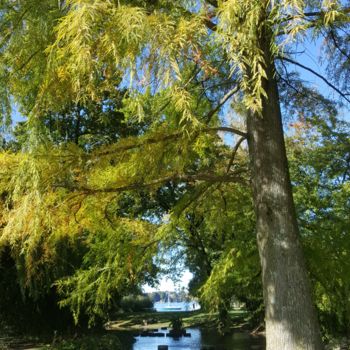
(291, 322)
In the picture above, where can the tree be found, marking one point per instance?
(319, 157)
(33, 273)
(50, 255)
(183, 61)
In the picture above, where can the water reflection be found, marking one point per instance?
(201, 339)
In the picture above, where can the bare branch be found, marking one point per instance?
(222, 102)
(230, 130)
(337, 45)
(316, 74)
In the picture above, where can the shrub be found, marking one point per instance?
(104, 342)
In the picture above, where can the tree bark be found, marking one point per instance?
(290, 317)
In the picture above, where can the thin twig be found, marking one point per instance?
(316, 74)
(337, 45)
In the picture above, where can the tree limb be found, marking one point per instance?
(213, 3)
(230, 130)
(27, 61)
(207, 177)
(345, 10)
(210, 25)
(222, 102)
(170, 137)
(322, 13)
(234, 152)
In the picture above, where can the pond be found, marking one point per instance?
(199, 339)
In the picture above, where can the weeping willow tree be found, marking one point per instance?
(191, 68)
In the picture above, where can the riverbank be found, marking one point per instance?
(132, 323)
(156, 320)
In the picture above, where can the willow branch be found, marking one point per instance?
(150, 244)
(27, 61)
(205, 177)
(208, 23)
(170, 137)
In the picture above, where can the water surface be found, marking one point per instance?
(202, 338)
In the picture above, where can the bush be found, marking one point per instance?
(103, 342)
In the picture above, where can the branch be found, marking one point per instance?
(312, 22)
(222, 102)
(337, 45)
(171, 137)
(27, 61)
(229, 129)
(234, 152)
(299, 92)
(316, 74)
(320, 14)
(18, 22)
(207, 177)
(193, 198)
(149, 244)
(213, 3)
(149, 141)
(210, 25)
